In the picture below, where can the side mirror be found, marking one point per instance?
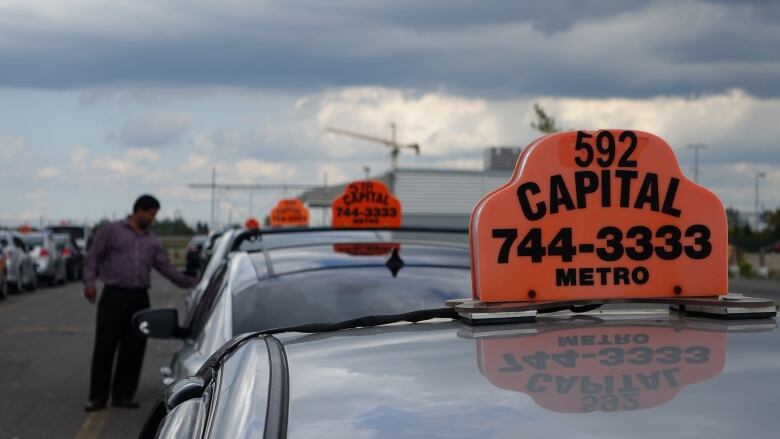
(158, 323)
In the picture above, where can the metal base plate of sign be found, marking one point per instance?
(731, 306)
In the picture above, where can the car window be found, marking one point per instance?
(213, 240)
(75, 232)
(64, 239)
(3, 242)
(208, 299)
(198, 240)
(18, 243)
(182, 421)
(33, 240)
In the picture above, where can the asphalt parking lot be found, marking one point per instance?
(46, 342)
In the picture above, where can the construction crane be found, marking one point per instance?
(395, 147)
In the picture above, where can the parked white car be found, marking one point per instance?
(49, 263)
(20, 269)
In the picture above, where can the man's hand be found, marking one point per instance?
(90, 293)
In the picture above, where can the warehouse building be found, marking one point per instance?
(430, 197)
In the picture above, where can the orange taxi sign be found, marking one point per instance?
(252, 223)
(289, 212)
(366, 203)
(598, 215)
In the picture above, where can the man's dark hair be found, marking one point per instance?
(146, 202)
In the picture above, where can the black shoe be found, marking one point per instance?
(125, 404)
(93, 406)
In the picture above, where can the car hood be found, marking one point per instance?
(586, 377)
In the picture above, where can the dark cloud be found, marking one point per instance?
(437, 15)
(574, 48)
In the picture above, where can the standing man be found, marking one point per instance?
(123, 253)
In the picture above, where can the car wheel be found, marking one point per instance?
(4, 288)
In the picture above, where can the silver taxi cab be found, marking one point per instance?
(598, 307)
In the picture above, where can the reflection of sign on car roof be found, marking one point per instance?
(602, 368)
(289, 212)
(366, 249)
(366, 203)
(598, 215)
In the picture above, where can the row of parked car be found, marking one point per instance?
(51, 256)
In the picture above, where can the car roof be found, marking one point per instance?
(448, 379)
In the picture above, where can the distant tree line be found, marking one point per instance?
(744, 236)
(170, 227)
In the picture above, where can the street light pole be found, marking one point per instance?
(759, 175)
(213, 224)
(696, 147)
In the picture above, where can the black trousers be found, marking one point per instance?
(115, 337)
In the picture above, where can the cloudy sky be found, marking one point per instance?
(101, 100)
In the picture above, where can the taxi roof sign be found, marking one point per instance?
(598, 215)
(252, 223)
(289, 212)
(366, 204)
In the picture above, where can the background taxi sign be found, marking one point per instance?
(598, 215)
(289, 212)
(252, 223)
(366, 203)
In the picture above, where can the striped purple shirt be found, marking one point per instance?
(125, 258)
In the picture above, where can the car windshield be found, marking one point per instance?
(62, 238)
(198, 239)
(33, 240)
(343, 294)
(211, 241)
(323, 284)
(75, 232)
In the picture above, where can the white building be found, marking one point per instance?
(430, 197)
